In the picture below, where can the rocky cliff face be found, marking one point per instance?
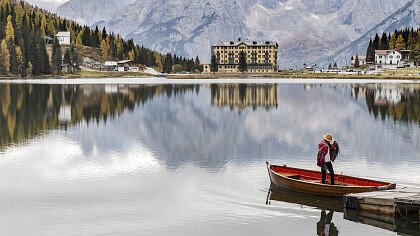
(306, 30)
(90, 12)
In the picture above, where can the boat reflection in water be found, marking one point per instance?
(330, 205)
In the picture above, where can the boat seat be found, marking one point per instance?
(291, 175)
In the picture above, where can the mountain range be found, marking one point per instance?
(308, 31)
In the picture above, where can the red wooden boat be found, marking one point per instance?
(309, 181)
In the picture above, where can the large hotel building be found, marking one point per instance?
(261, 56)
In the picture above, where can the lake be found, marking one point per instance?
(190, 159)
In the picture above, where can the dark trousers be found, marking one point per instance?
(327, 165)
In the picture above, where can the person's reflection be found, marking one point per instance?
(325, 227)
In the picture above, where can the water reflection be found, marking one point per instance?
(30, 110)
(397, 102)
(325, 226)
(329, 206)
(240, 96)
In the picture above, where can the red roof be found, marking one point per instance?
(381, 52)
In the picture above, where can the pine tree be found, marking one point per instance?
(95, 38)
(76, 58)
(56, 57)
(214, 67)
(43, 54)
(13, 59)
(356, 61)
(335, 65)
(67, 57)
(242, 62)
(384, 44)
(376, 42)
(370, 53)
(20, 61)
(168, 63)
(5, 57)
(51, 30)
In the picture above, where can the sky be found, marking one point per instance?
(47, 4)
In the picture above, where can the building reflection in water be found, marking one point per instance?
(397, 102)
(241, 96)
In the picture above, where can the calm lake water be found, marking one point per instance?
(190, 159)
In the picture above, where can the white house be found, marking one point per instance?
(63, 38)
(389, 59)
(127, 66)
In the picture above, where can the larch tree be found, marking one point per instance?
(104, 50)
(159, 64)
(399, 44)
(392, 41)
(5, 57)
(10, 32)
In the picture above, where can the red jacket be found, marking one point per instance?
(323, 150)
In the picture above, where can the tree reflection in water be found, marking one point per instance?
(30, 110)
(397, 102)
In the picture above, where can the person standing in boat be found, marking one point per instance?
(327, 153)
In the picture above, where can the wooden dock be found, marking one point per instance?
(397, 202)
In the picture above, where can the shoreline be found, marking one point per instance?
(169, 80)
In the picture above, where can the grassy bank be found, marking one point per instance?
(401, 75)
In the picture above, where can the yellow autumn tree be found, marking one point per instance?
(43, 25)
(392, 41)
(104, 50)
(79, 42)
(159, 63)
(399, 44)
(5, 57)
(131, 55)
(10, 32)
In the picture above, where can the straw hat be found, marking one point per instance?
(328, 137)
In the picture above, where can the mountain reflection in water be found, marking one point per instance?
(99, 159)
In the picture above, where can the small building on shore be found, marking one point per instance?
(63, 38)
(206, 68)
(110, 66)
(362, 60)
(67, 68)
(127, 66)
(261, 57)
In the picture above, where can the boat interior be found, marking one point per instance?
(315, 177)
